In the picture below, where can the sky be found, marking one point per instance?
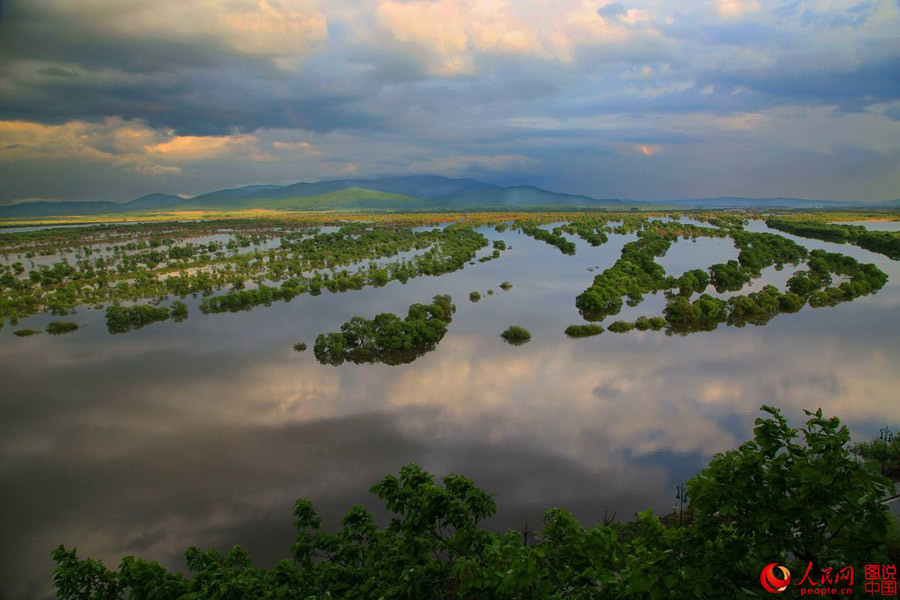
(642, 99)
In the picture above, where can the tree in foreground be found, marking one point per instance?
(796, 497)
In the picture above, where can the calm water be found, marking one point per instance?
(205, 432)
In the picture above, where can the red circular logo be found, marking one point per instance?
(775, 578)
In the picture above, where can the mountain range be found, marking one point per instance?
(411, 193)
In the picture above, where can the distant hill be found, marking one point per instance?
(151, 201)
(425, 192)
(341, 199)
(773, 203)
(416, 193)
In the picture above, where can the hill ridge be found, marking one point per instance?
(395, 192)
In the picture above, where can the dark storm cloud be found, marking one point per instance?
(190, 101)
(36, 33)
(198, 86)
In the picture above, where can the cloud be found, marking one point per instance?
(156, 169)
(256, 27)
(731, 9)
(454, 33)
(438, 28)
(648, 149)
(613, 10)
(458, 164)
(518, 91)
(193, 148)
(297, 147)
(456, 36)
(115, 141)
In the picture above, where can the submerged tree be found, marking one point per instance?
(516, 335)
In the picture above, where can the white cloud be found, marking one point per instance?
(731, 9)
(450, 35)
(301, 148)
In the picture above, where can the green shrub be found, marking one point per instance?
(580, 331)
(516, 335)
(621, 327)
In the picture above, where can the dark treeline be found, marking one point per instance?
(882, 242)
(819, 508)
(387, 338)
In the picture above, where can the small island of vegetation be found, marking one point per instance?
(387, 338)
(25, 332)
(586, 330)
(516, 335)
(120, 319)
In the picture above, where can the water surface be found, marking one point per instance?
(205, 432)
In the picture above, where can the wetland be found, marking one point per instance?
(176, 411)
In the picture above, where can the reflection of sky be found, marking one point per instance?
(205, 432)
